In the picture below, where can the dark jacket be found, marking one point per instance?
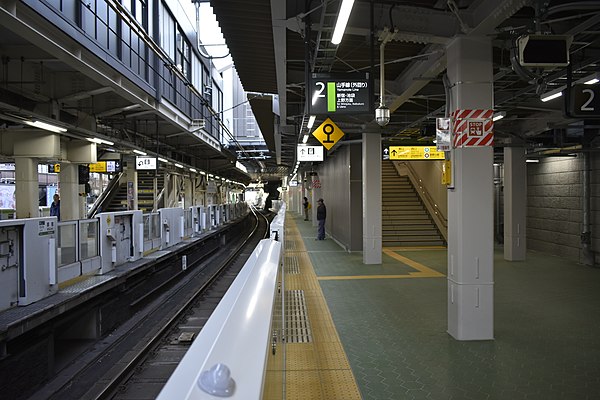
(321, 212)
(55, 210)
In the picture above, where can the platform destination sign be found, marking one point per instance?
(340, 94)
(145, 163)
(412, 153)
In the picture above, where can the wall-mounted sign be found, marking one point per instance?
(328, 133)
(145, 163)
(310, 153)
(412, 153)
(340, 94)
(442, 134)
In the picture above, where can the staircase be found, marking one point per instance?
(145, 193)
(405, 219)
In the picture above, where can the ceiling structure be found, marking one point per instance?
(276, 43)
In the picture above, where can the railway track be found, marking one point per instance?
(136, 360)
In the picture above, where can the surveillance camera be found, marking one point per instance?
(382, 115)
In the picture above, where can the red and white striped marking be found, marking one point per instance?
(472, 128)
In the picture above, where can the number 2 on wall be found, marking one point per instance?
(585, 105)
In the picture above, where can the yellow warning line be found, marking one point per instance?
(423, 271)
(320, 369)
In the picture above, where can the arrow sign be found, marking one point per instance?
(310, 153)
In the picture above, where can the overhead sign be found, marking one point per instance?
(328, 133)
(106, 166)
(412, 153)
(293, 183)
(340, 93)
(310, 153)
(54, 168)
(145, 163)
(584, 101)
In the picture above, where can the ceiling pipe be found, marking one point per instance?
(382, 113)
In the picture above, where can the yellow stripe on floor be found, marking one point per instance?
(319, 369)
(423, 271)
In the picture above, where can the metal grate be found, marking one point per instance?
(297, 327)
(291, 265)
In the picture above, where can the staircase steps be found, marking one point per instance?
(406, 220)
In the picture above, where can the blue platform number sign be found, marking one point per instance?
(585, 101)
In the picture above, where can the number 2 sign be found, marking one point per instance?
(585, 101)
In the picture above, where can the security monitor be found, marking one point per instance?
(544, 51)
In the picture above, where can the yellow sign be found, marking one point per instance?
(57, 168)
(446, 173)
(100, 166)
(415, 153)
(328, 133)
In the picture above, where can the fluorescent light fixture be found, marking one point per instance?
(592, 81)
(499, 115)
(141, 153)
(550, 96)
(202, 173)
(45, 126)
(163, 160)
(100, 141)
(193, 170)
(210, 175)
(342, 21)
(241, 166)
(532, 160)
(311, 121)
(305, 139)
(178, 165)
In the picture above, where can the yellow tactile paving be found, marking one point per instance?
(317, 370)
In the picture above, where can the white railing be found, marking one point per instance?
(229, 356)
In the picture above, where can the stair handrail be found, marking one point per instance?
(440, 220)
(158, 199)
(114, 182)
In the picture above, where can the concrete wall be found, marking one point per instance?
(341, 189)
(554, 206)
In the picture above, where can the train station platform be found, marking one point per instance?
(379, 331)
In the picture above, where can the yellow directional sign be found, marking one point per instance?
(328, 133)
(415, 153)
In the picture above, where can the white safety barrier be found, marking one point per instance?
(228, 358)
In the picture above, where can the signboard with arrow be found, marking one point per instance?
(310, 153)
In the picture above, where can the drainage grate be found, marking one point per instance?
(297, 327)
(291, 265)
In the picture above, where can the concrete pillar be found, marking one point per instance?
(188, 196)
(26, 187)
(470, 199)
(132, 186)
(69, 192)
(515, 203)
(371, 197)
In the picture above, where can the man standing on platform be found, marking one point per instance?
(55, 207)
(305, 206)
(321, 215)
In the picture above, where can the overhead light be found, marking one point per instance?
(163, 160)
(342, 21)
(305, 139)
(550, 96)
(499, 115)
(100, 141)
(202, 173)
(210, 175)
(311, 121)
(532, 160)
(193, 170)
(178, 165)
(139, 152)
(592, 81)
(48, 127)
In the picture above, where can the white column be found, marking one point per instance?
(132, 186)
(470, 201)
(26, 187)
(69, 192)
(371, 196)
(515, 203)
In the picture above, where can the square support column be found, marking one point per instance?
(515, 203)
(26, 187)
(371, 195)
(69, 192)
(470, 199)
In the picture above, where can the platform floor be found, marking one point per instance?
(391, 320)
